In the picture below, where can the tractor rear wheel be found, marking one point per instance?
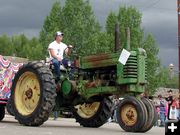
(2, 112)
(33, 94)
(93, 114)
(9, 107)
(131, 114)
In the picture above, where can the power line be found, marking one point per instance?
(165, 9)
(151, 5)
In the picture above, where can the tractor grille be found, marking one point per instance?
(130, 69)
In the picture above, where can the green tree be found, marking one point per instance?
(33, 50)
(165, 79)
(99, 43)
(78, 23)
(6, 46)
(21, 46)
(126, 17)
(51, 24)
(153, 62)
(110, 22)
(19, 41)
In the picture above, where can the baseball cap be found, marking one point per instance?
(59, 33)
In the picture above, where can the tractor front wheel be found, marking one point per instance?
(151, 111)
(131, 114)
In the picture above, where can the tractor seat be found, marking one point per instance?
(62, 68)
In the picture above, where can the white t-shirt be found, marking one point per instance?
(58, 48)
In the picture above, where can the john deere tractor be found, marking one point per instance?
(85, 89)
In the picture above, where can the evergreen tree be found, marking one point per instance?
(21, 46)
(153, 62)
(6, 46)
(166, 79)
(77, 21)
(126, 17)
(80, 25)
(51, 24)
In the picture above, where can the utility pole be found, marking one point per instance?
(178, 11)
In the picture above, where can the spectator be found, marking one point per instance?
(158, 114)
(55, 115)
(169, 99)
(113, 117)
(162, 107)
(116, 101)
(178, 110)
(166, 110)
(174, 109)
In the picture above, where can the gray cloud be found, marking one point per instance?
(159, 18)
(168, 56)
(19, 16)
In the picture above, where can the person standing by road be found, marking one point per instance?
(174, 113)
(162, 107)
(56, 115)
(169, 99)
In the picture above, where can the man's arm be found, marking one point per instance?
(68, 50)
(52, 52)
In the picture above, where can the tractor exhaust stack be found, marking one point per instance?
(117, 38)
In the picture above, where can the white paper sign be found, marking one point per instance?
(124, 56)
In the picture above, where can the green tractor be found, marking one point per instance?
(87, 93)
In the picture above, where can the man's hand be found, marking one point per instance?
(58, 58)
(70, 46)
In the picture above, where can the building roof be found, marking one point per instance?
(163, 92)
(16, 59)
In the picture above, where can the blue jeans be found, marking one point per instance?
(178, 114)
(115, 115)
(162, 118)
(55, 114)
(56, 64)
(65, 62)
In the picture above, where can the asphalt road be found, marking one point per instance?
(61, 126)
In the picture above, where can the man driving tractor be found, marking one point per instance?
(56, 51)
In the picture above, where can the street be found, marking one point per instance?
(62, 126)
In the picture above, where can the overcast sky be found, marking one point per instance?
(159, 18)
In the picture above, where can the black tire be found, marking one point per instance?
(101, 111)
(9, 107)
(145, 114)
(2, 112)
(151, 115)
(131, 114)
(33, 94)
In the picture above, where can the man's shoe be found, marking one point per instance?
(57, 79)
(58, 87)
